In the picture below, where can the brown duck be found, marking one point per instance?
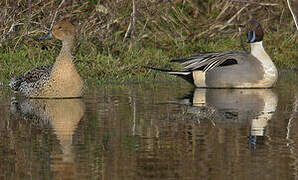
(58, 81)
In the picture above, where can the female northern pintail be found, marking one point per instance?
(231, 69)
(58, 81)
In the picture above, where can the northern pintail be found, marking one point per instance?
(58, 81)
(231, 69)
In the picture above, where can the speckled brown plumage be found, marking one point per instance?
(58, 81)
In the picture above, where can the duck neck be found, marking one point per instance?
(258, 51)
(65, 53)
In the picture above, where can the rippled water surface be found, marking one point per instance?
(165, 130)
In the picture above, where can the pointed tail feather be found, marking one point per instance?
(182, 73)
(186, 75)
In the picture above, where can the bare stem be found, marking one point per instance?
(55, 15)
(252, 2)
(29, 15)
(133, 17)
(293, 13)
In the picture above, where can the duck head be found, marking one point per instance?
(254, 32)
(63, 30)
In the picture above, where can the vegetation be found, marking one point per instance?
(116, 38)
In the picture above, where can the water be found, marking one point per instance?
(165, 130)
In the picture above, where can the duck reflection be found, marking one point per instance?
(237, 105)
(62, 115)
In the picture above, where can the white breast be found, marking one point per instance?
(271, 74)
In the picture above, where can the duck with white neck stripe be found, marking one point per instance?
(231, 69)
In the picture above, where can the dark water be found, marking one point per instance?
(153, 131)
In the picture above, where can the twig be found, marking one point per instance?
(233, 17)
(55, 15)
(293, 14)
(11, 30)
(221, 27)
(132, 24)
(29, 15)
(226, 6)
(281, 18)
(133, 17)
(19, 39)
(127, 31)
(259, 3)
(143, 30)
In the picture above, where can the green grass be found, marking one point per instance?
(115, 62)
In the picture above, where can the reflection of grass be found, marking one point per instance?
(131, 142)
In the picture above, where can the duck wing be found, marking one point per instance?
(30, 76)
(35, 74)
(209, 60)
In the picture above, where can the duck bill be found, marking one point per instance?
(251, 36)
(49, 35)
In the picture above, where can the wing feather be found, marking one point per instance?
(209, 60)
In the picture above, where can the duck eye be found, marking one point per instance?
(59, 27)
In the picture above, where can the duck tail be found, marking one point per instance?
(186, 75)
(182, 73)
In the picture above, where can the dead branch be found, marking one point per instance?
(55, 15)
(290, 5)
(259, 3)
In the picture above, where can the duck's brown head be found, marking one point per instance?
(254, 31)
(63, 30)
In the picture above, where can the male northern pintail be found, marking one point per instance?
(58, 81)
(231, 69)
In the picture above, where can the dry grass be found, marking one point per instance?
(156, 20)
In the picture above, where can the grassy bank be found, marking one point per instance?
(112, 45)
(96, 62)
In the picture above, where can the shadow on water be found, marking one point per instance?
(153, 131)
